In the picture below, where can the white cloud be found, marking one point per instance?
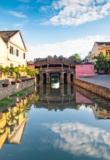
(76, 12)
(20, 25)
(65, 48)
(17, 14)
(79, 139)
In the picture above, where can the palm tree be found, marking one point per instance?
(5, 71)
(31, 72)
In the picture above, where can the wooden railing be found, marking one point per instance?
(64, 69)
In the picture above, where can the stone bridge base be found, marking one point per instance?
(64, 78)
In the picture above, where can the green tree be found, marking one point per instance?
(31, 72)
(76, 57)
(102, 63)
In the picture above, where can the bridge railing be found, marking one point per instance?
(64, 69)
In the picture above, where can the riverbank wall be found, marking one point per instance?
(95, 88)
(11, 89)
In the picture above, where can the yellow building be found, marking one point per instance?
(99, 48)
(12, 49)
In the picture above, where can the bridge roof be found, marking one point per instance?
(54, 60)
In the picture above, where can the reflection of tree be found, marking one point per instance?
(78, 107)
(31, 102)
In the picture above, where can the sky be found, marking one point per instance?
(57, 27)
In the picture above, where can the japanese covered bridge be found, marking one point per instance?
(52, 67)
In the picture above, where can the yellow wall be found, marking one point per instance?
(96, 50)
(16, 60)
(3, 53)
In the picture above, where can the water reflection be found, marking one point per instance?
(75, 98)
(52, 98)
(61, 125)
(80, 139)
(12, 123)
(55, 85)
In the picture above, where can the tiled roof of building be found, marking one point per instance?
(103, 43)
(7, 34)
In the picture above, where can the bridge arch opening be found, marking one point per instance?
(55, 78)
(65, 78)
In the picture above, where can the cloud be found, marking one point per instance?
(17, 14)
(79, 139)
(76, 12)
(65, 48)
(19, 25)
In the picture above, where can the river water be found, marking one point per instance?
(56, 122)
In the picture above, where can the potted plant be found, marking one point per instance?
(18, 80)
(5, 84)
(23, 80)
(13, 82)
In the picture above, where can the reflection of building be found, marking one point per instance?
(100, 113)
(82, 99)
(12, 123)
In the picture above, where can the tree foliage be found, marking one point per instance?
(102, 62)
(17, 71)
(76, 57)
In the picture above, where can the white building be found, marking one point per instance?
(12, 49)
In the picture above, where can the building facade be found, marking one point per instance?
(12, 49)
(99, 48)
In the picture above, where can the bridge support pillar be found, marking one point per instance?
(62, 89)
(69, 89)
(47, 78)
(47, 90)
(41, 90)
(68, 78)
(62, 77)
(41, 78)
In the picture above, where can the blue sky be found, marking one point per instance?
(57, 27)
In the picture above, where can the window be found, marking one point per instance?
(11, 50)
(106, 53)
(17, 52)
(101, 52)
(23, 55)
(11, 64)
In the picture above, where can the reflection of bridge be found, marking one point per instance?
(65, 67)
(56, 98)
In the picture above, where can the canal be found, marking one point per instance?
(56, 122)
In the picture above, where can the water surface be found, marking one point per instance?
(58, 123)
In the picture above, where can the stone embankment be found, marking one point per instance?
(11, 89)
(99, 85)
